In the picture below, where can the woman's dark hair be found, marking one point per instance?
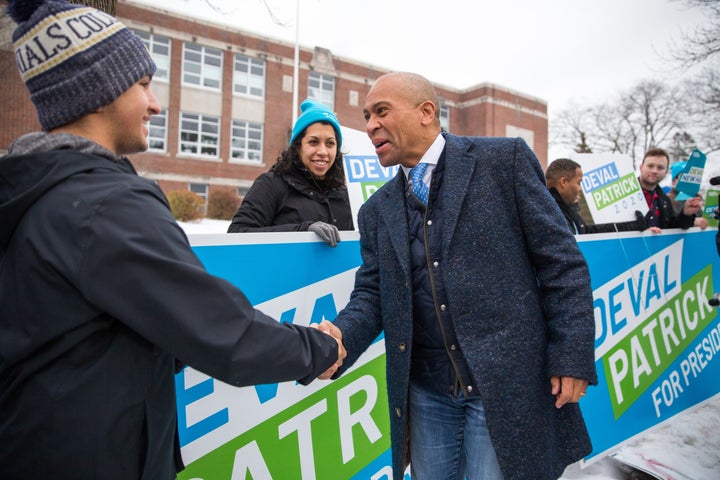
(290, 159)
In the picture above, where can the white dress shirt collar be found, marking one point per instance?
(431, 157)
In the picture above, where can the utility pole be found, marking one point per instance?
(296, 66)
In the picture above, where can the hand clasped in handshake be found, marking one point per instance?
(335, 332)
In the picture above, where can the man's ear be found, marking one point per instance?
(428, 111)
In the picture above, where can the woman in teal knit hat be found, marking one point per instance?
(305, 189)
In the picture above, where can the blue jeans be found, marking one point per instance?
(449, 439)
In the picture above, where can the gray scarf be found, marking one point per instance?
(39, 142)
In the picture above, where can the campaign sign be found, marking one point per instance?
(657, 340)
(689, 180)
(327, 430)
(363, 171)
(657, 347)
(611, 187)
(711, 204)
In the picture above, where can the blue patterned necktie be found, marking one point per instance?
(419, 189)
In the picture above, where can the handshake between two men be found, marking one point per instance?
(335, 332)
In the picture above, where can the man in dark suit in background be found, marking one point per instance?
(563, 178)
(483, 295)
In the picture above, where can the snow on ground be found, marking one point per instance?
(689, 442)
(205, 225)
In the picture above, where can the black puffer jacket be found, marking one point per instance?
(290, 202)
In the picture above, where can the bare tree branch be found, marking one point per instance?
(571, 127)
(703, 42)
(650, 114)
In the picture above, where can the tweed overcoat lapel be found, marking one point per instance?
(394, 217)
(459, 169)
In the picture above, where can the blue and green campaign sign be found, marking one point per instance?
(690, 178)
(657, 347)
(611, 187)
(328, 430)
(710, 205)
(657, 341)
(363, 172)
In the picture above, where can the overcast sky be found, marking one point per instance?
(556, 50)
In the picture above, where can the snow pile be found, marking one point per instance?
(688, 443)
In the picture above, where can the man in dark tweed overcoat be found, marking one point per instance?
(482, 293)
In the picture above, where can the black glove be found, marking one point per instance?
(640, 222)
(328, 233)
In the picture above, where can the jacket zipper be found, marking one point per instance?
(431, 275)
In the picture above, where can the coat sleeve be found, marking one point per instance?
(259, 208)
(139, 268)
(360, 321)
(562, 273)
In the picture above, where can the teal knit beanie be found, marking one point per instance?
(313, 112)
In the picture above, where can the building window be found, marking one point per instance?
(202, 66)
(157, 139)
(249, 76)
(242, 191)
(201, 189)
(445, 118)
(247, 140)
(159, 48)
(322, 88)
(528, 135)
(199, 134)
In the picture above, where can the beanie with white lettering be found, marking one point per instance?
(74, 59)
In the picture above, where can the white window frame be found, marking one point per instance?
(445, 117)
(248, 76)
(157, 131)
(160, 48)
(199, 66)
(321, 87)
(244, 135)
(201, 190)
(207, 135)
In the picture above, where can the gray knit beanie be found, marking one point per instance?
(74, 59)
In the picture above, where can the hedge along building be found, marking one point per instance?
(227, 100)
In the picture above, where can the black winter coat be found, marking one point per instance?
(100, 292)
(579, 227)
(290, 202)
(668, 217)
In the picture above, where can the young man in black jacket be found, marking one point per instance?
(100, 293)
(563, 178)
(661, 214)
